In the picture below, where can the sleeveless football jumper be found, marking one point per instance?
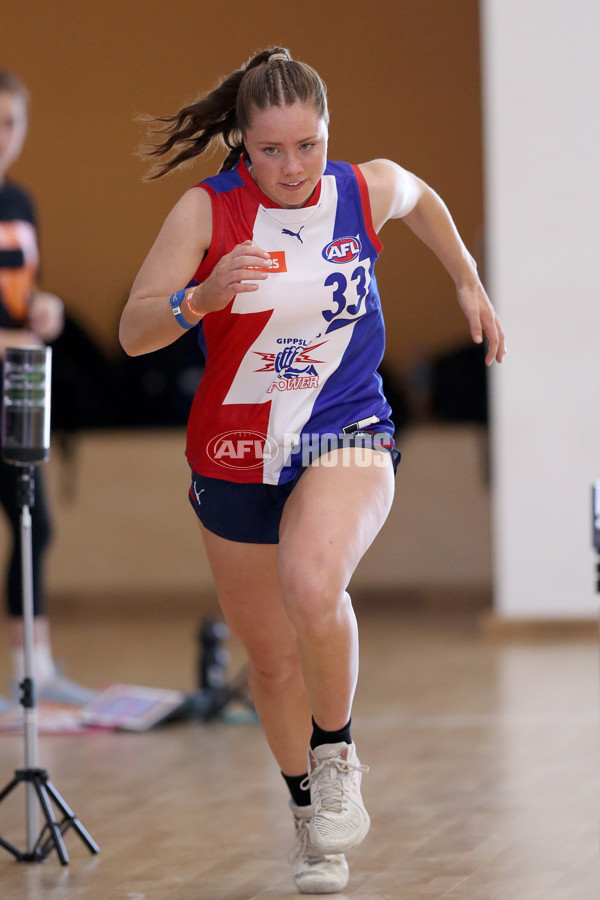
(295, 360)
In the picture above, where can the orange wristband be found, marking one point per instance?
(192, 309)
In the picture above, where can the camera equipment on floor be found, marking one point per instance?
(217, 697)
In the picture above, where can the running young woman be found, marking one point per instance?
(289, 438)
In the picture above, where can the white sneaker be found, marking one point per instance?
(62, 690)
(340, 820)
(313, 871)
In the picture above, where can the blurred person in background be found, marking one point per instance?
(29, 317)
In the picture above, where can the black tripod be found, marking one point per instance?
(40, 790)
(25, 441)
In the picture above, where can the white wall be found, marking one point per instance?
(541, 67)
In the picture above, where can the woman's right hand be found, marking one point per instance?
(147, 322)
(236, 273)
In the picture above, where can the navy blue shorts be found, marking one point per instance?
(248, 513)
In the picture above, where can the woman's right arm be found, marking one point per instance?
(147, 322)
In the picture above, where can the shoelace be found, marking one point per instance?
(332, 794)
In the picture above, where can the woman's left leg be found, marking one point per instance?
(329, 521)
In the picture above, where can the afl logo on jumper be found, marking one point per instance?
(242, 449)
(342, 250)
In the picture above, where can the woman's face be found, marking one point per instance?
(287, 146)
(13, 128)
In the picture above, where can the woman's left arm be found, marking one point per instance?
(398, 194)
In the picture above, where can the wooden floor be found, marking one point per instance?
(484, 781)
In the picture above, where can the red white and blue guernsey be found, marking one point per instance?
(297, 359)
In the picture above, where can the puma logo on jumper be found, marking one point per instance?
(294, 233)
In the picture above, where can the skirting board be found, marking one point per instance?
(498, 628)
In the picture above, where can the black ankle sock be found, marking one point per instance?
(299, 796)
(330, 737)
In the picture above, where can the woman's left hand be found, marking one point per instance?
(482, 319)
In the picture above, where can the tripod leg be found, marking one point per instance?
(4, 793)
(71, 820)
(16, 853)
(51, 824)
(9, 787)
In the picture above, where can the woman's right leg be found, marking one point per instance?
(250, 597)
